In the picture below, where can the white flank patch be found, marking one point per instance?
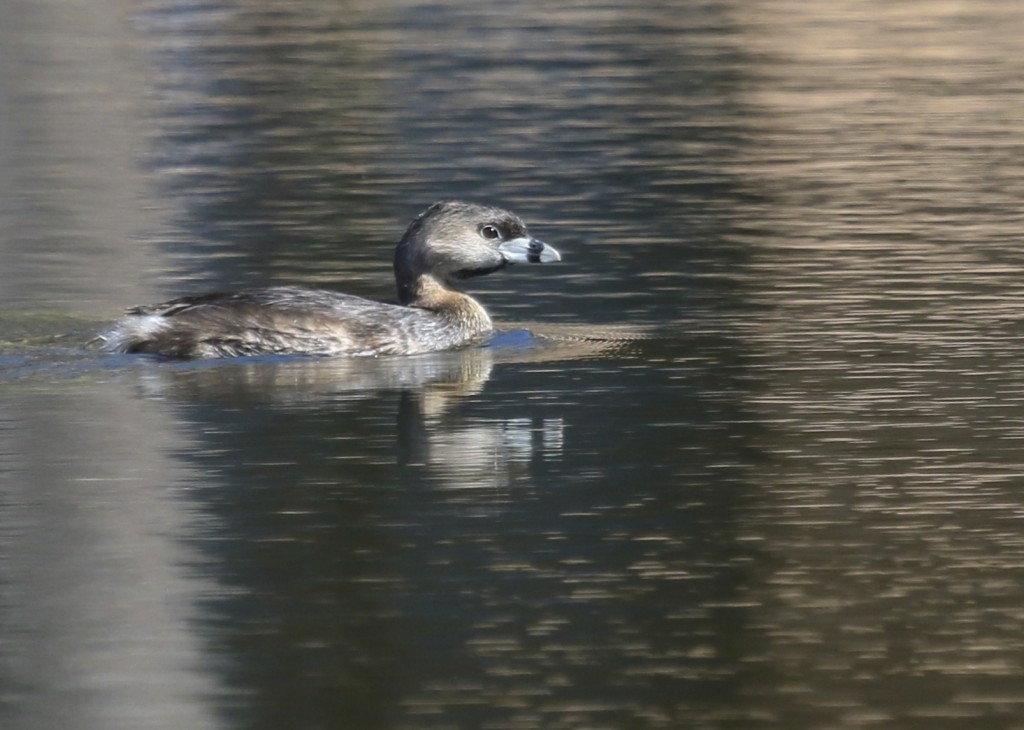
(132, 330)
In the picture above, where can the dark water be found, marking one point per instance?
(781, 485)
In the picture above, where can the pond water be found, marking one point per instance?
(766, 469)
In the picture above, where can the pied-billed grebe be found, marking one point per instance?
(448, 242)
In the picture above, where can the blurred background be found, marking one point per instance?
(767, 472)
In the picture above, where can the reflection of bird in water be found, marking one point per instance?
(440, 378)
(448, 242)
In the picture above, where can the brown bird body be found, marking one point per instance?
(449, 242)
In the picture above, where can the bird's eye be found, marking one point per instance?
(491, 233)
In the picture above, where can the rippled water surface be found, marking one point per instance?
(759, 464)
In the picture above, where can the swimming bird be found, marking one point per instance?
(447, 243)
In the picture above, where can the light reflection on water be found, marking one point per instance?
(764, 470)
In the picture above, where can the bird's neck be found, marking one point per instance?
(427, 292)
